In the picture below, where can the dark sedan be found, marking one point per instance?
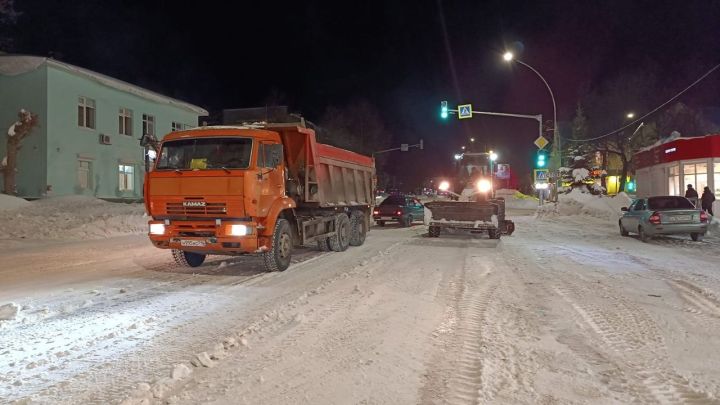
(403, 209)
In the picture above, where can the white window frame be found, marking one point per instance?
(126, 177)
(86, 112)
(148, 124)
(88, 172)
(178, 126)
(125, 121)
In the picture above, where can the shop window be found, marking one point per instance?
(695, 174)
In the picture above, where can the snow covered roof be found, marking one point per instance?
(13, 65)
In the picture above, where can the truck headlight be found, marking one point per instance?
(157, 229)
(239, 230)
(484, 185)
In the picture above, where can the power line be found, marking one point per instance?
(651, 112)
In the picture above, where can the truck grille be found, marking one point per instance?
(210, 208)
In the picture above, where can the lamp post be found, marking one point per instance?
(557, 161)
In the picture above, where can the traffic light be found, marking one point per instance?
(443, 110)
(541, 162)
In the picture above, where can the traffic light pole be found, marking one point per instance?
(403, 147)
(538, 117)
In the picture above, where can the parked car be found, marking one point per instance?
(663, 215)
(403, 209)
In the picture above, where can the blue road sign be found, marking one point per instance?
(465, 111)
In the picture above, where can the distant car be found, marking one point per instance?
(402, 209)
(663, 215)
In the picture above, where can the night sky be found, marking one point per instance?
(320, 53)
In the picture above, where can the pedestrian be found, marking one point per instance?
(691, 194)
(707, 200)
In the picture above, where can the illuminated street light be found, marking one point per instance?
(472, 139)
(493, 156)
(630, 115)
(458, 156)
(462, 147)
(508, 56)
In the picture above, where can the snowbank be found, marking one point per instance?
(8, 202)
(517, 200)
(74, 217)
(577, 203)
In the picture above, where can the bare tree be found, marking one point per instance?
(8, 15)
(18, 131)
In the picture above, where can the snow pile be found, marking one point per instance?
(577, 203)
(73, 217)
(8, 312)
(8, 202)
(517, 200)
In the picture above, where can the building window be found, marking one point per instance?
(86, 112)
(148, 125)
(126, 177)
(125, 122)
(717, 179)
(178, 126)
(84, 175)
(674, 180)
(695, 174)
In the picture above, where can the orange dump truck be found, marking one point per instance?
(233, 190)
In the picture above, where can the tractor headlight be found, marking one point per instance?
(157, 229)
(484, 185)
(239, 230)
(444, 186)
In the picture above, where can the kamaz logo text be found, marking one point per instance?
(193, 203)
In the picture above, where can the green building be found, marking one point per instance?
(87, 141)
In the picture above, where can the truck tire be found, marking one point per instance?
(341, 240)
(188, 259)
(323, 245)
(358, 228)
(434, 231)
(494, 233)
(280, 253)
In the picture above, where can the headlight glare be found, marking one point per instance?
(157, 229)
(239, 230)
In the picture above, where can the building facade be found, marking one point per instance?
(668, 168)
(87, 140)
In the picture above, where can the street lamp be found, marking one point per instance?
(630, 115)
(462, 147)
(509, 57)
(493, 156)
(472, 139)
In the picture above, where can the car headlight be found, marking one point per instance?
(239, 230)
(484, 185)
(157, 229)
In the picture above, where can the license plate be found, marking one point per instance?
(192, 243)
(680, 218)
(386, 218)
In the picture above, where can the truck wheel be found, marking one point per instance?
(358, 228)
(494, 233)
(323, 245)
(188, 259)
(509, 227)
(280, 253)
(341, 240)
(434, 231)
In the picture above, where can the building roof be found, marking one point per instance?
(675, 149)
(13, 65)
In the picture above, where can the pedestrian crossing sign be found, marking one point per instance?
(465, 111)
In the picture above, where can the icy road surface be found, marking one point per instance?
(564, 311)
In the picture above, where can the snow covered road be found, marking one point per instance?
(564, 311)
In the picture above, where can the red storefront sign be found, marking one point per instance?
(680, 149)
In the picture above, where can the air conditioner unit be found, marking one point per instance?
(105, 139)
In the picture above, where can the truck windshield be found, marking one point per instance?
(205, 153)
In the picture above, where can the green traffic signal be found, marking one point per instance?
(443, 109)
(540, 159)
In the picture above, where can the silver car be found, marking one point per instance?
(663, 215)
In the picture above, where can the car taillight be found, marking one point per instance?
(704, 216)
(654, 218)
(376, 212)
(399, 212)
